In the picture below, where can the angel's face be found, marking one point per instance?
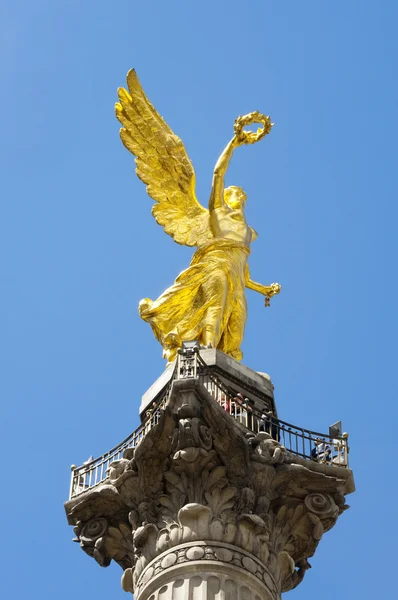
(235, 197)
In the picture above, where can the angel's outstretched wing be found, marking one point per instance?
(163, 165)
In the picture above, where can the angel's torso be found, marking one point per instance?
(231, 225)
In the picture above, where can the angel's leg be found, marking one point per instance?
(215, 290)
(234, 331)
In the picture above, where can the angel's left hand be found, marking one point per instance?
(273, 290)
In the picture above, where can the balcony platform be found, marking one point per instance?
(245, 395)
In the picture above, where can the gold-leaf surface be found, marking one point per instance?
(163, 165)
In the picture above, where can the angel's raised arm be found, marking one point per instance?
(217, 187)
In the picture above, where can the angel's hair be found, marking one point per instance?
(234, 188)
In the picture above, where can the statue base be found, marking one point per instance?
(210, 503)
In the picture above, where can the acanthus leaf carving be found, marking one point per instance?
(179, 487)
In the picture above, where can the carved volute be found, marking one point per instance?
(201, 503)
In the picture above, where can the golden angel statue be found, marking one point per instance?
(207, 301)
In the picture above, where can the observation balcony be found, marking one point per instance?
(247, 396)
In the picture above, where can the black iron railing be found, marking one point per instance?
(309, 445)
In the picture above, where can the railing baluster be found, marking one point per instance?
(92, 474)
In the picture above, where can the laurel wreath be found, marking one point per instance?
(251, 137)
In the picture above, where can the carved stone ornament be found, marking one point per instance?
(198, 492)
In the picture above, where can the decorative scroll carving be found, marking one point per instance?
(105, 543)
(197, 480)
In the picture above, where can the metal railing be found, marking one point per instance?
(310, 445)
(307, 444)
(93, 472)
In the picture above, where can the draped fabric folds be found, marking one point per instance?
(209, 296)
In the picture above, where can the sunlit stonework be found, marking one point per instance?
(213, 496)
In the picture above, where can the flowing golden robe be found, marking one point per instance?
(207, 301)
(208, 295)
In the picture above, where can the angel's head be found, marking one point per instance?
(235, 197)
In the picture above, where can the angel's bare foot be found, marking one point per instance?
(205, 346)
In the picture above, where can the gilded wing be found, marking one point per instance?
(163, 165)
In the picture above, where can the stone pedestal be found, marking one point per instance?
(202, 510)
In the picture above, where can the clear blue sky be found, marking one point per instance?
(79, 249)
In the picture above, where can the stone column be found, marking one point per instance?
(206, 571)
(201, 510)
